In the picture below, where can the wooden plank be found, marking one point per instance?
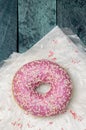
(72, 14)
(8, 28)
(36, 18)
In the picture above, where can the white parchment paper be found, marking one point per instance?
(57, 47)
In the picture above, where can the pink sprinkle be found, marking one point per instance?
(51, 123)
(19, 119)
(39, 129)
(75, 116)
(74, 61)
(16, 124)
(62, 129)
(19, 125)
(51, 53)
(80, 118)
(13, 123)
(53, 59)
(76, 51)
(29, 126)
(55, 41)
(9, 109)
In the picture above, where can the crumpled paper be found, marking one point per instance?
(57, 47)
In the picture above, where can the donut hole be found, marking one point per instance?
(43, 88)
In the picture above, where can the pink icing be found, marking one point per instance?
(30, 76)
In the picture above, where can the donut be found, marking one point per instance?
(33, 74)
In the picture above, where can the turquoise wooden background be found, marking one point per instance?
(8, 28)
(72, 14)
(35, 19)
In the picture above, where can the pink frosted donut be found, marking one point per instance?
(35, 73)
